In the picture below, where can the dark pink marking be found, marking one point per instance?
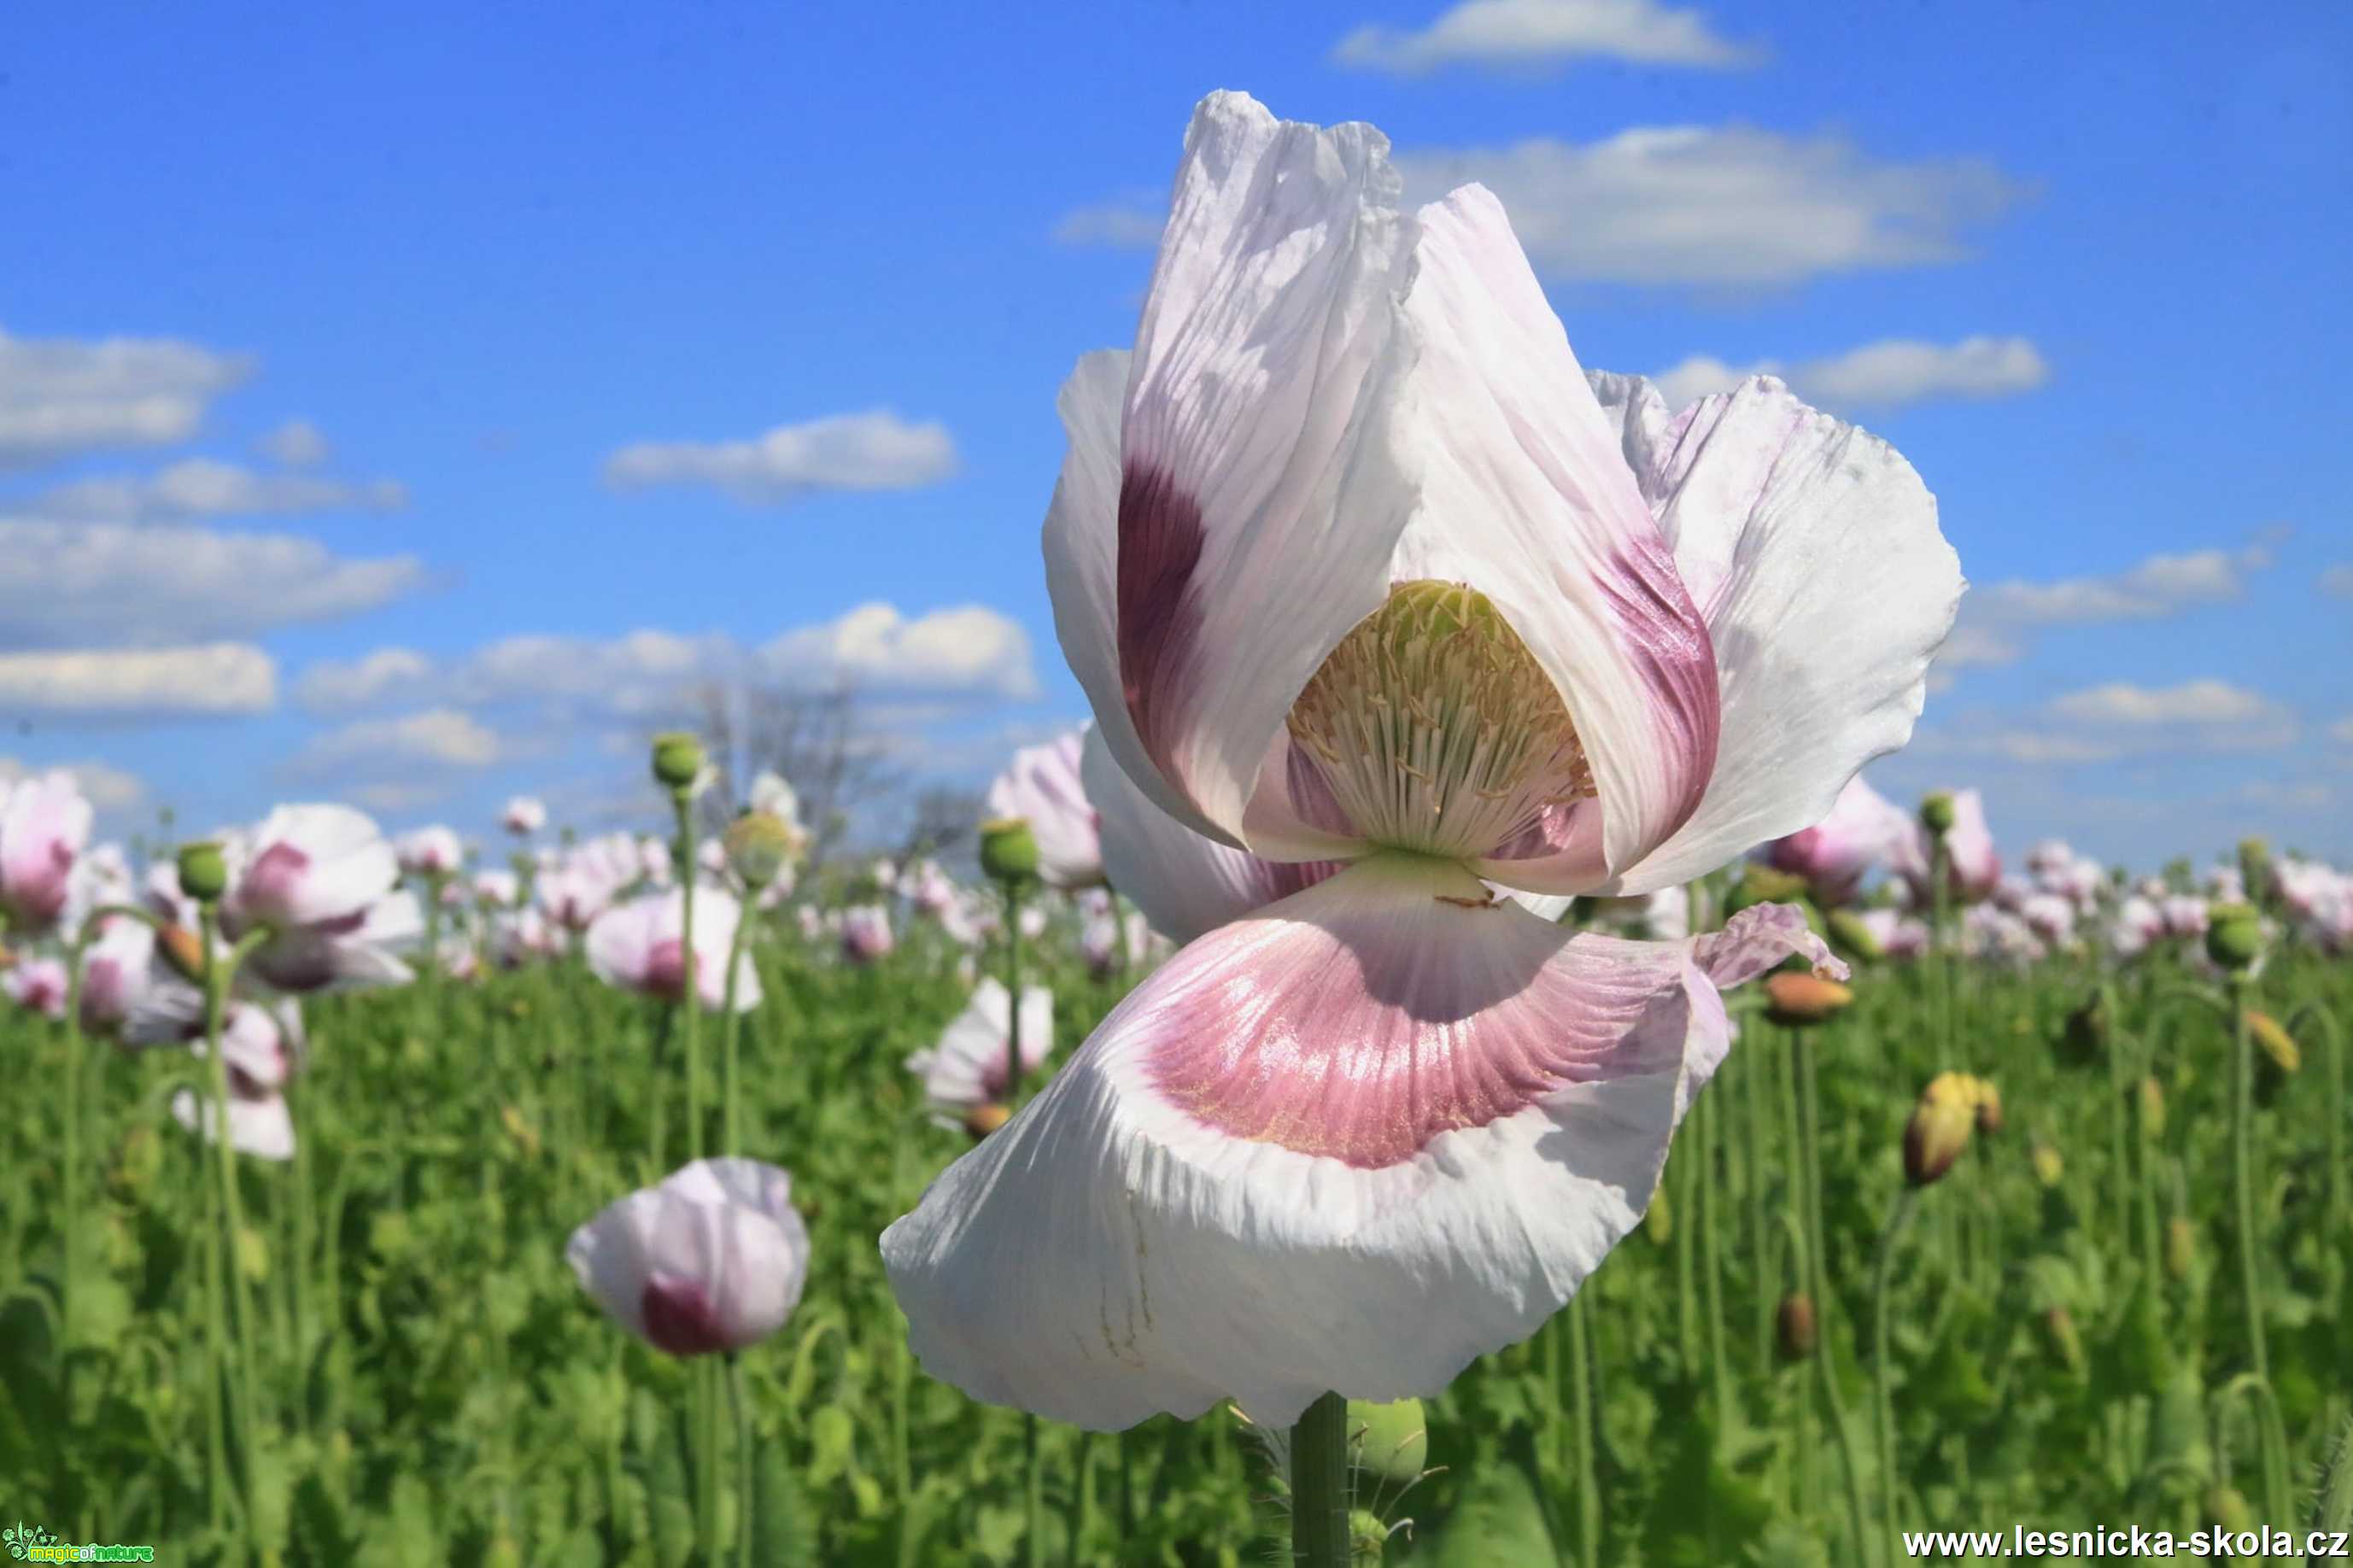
(1310, 793)
(270, 881)
(680, 1315)
(666, 970)
(1160, 539)
(1362, 1036)
(1668, 640)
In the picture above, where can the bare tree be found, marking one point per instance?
(815, 738)
(944, 822)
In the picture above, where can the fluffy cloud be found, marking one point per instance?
(1998, 621)
(104, 582)
(212, 679)
(1888, 373)
(107, 787)
(1688, 205)
(2338, 580)
(966, 650)
(1518, 35)
(437, 737)
(205, 487)
(2203, 702)
(875, 450)
(62, 395)
(298, 444)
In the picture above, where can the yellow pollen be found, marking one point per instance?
(1436, 729)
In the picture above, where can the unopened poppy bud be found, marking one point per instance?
(182, 950)
(1990, 1118)
(2181, 1247)
(1008, 850)
(2086, 1035)
(1937, 813)
(1763, 885)
(1850, 935)
(2228, 1510)
(2048, 1166)
(2278, 1046)
(1390, 1441)
(1795, 1327)
(2234, 936)
(1368, 1538)
(2255, 864)
(1659, 1219)
(2152, 1106)
(204, 872)
(1939, 1129)
(758, 844)
(985, 1119)
(678, 760)
(2066, 1343)
(1796, 1000)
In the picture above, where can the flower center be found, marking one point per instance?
(1436, 730)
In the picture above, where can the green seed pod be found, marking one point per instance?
(1796, 1328)
(1368, 1538)
(2181, 1247)
(2066, 1343)
(1763, 885)
(1008, 850)
(678, 760)
(204, 873)
(2234, 937)
(1937, 813)
(1390, 1441)
(759, 846)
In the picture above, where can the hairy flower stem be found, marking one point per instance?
(731, 1125)
(2242, 1164)
(1589, 1486)
(1711, 1196)
(1882, 1399)
(217, 978)
(1013, 992)
(70, 1175)
(691, 1003)
(1033, 1495)
(746, 1469)
(1319, 1485)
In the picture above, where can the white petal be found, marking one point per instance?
(1813, 550)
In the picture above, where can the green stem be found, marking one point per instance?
(1882, 1401)
(1319, 1485)
(1712, 1199)
(217, 977)
(1033, 1494)
(1589, 1486)
(745, 1468)
(731, 1117)
(1013, 994)
(2242, 1164)
(71, 1175)
(1809, 1156)
(689, 873)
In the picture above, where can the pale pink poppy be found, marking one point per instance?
(1897, 935)
(44, 824)
(2184, 914)
(574, 894)
(866, 934)
(37, 985)
(524, 816)
(1042, 788)
(966, 1068)
(641, 946)
(1355, 563)
(1835, 854)
(320, 879)
(430, 852)
(262, 1046)
(713, 1259)
(115, 974)
(1975, 865)
(2138, 923)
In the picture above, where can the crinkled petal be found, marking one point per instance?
(1350, 1143)
(1812, 549)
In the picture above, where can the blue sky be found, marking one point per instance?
(342, 347)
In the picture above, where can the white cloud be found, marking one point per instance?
(2342, 730)
(101, 583)
(2206, 702)
(63, 395)
(298, 444)
(967, 649)
(1516, 34)
(213, 678)
(875, 450)
(205, 487)
(2161, 585)
(2338, 580)
(443, 737)
(1686, 205)
(340, 687)
(1971, 645)
(107, 787)
(2310, 795)
(1888, 373)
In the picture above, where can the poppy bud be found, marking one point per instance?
(2234, 936)
(1937, 813)
(985, 1119)
(1989, 1119)
(1796, 1000)
(758, 844)
(1795, 1329)
(2048, 1166)
(1659, 1219)
(2255, 864)
(182, 950)
(1939, 1128)
(2066, 1343)
(678, 760)
(2278, 1046)
(2180, 1246)
(1763, 885)
(1390, 1441)
(2152, 1106)
(1008, 850)
(1850, 935)
(2228, 1510)
(204, 872)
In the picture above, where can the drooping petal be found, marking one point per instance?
(1185, 884)
(262, 1127)
(1812, 549)
(1524, 495)
(1350, 1143)
(1249, 528)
